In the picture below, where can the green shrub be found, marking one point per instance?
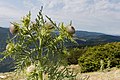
(90, 61)
(74, 54)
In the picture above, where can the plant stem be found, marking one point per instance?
(40, 61)
(41, 72)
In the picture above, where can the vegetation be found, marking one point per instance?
(42, 50)
(102, 56)
(37, 50)
(74, 54)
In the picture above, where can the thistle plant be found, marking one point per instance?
(38, 48)
(101, 65)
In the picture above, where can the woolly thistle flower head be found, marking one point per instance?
(14, 28)
(70, 29)
(31, 68)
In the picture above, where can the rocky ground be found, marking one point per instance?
(112, 74)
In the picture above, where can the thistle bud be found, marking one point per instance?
(70, 29)
(49, 25)
(13, 29)
(10, 47)
(31, 68)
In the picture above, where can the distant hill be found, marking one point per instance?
(3, 37)
(6, 64)
(83, 38)
(86, 34)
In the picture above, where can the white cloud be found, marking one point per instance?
(28, 4)
(92, 15)
(10, 12)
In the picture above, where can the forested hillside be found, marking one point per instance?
(83, 39)
(4, 32)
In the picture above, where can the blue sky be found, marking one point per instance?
(88, 15)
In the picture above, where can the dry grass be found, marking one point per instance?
(113, 74)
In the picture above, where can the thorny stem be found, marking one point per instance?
(40, 61)
(40, 77)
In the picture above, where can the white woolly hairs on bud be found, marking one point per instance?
(49, 25)
(13, 29)
(31, 68)
(70, 29)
